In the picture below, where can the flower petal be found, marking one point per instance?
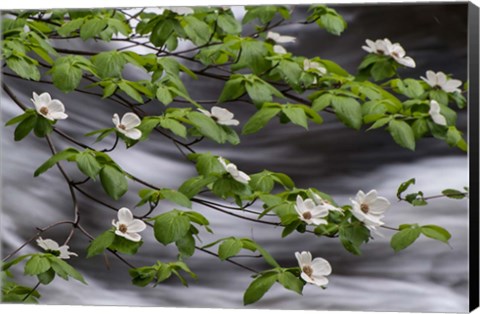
(321, 266)
(360, 196)
(232, 169)
(131, 120)
(370, 197)
(279, 50)
(44, 99)
(319, 280)
(134, 134)
(300, 204)
(55, 106)
(221, 113)
(135, 237)
(116, 119)
(136, 226)
(125, 216)
(223, 162)
(406, 61)
(378, 206)
(307, 278)
(305, 258)
(431, 78)
(318, 221)
(452, 86)
(229, 122)
(58, 115)
(439, 119)
(242, 177)
(205, 112)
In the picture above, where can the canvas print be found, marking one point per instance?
(305, 157)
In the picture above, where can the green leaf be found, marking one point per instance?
(352, 236)
(161, 32)
(402, 134)
(25, 127)
(176, 197)
(257, 289)
(46, 277)
(20, 118)
(229, 24)
(113, 182)
(348, 110)
(109, 64)
(436, 232)
(284, 180)
(125, 246)
(262, 181)
(290, 282)
(70, 26)
(404, 186)
(197, 30)
(233, 89)
(456, 194)
(36, 265)
(405, 237)
(130, 91)
(65, 75)
(296, 116)
(87, 164)
(259, 120)
(194, 185)
(382, 70)
(186, 245)
(61, 267)
(23, 68)
(410, 88)
(420, 128)
(322, 102)
(100, 243)
(164, 95)
(142, 276)
(230, 247)
(92, 28)
(171, 226)
(163, 273)
(42, 127)
(333, 23)
(206, 126)
(66, 154)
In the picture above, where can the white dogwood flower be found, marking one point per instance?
(435, 114)
(220, 115)
(369, 208)
(387, 48)
(439, 79)
(51, 109)
(279, 50)
(51, 246)
(276, 37)
(127, 226)
(128, 125)
(236, 174)
(322, 202)
(313, 271)
(314, 66)
(310, 212)
(180, 10)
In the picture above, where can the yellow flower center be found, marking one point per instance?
(364, 208)
(307, 270)
(44, 110)
(123, 228)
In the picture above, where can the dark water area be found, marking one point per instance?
(429, 276)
